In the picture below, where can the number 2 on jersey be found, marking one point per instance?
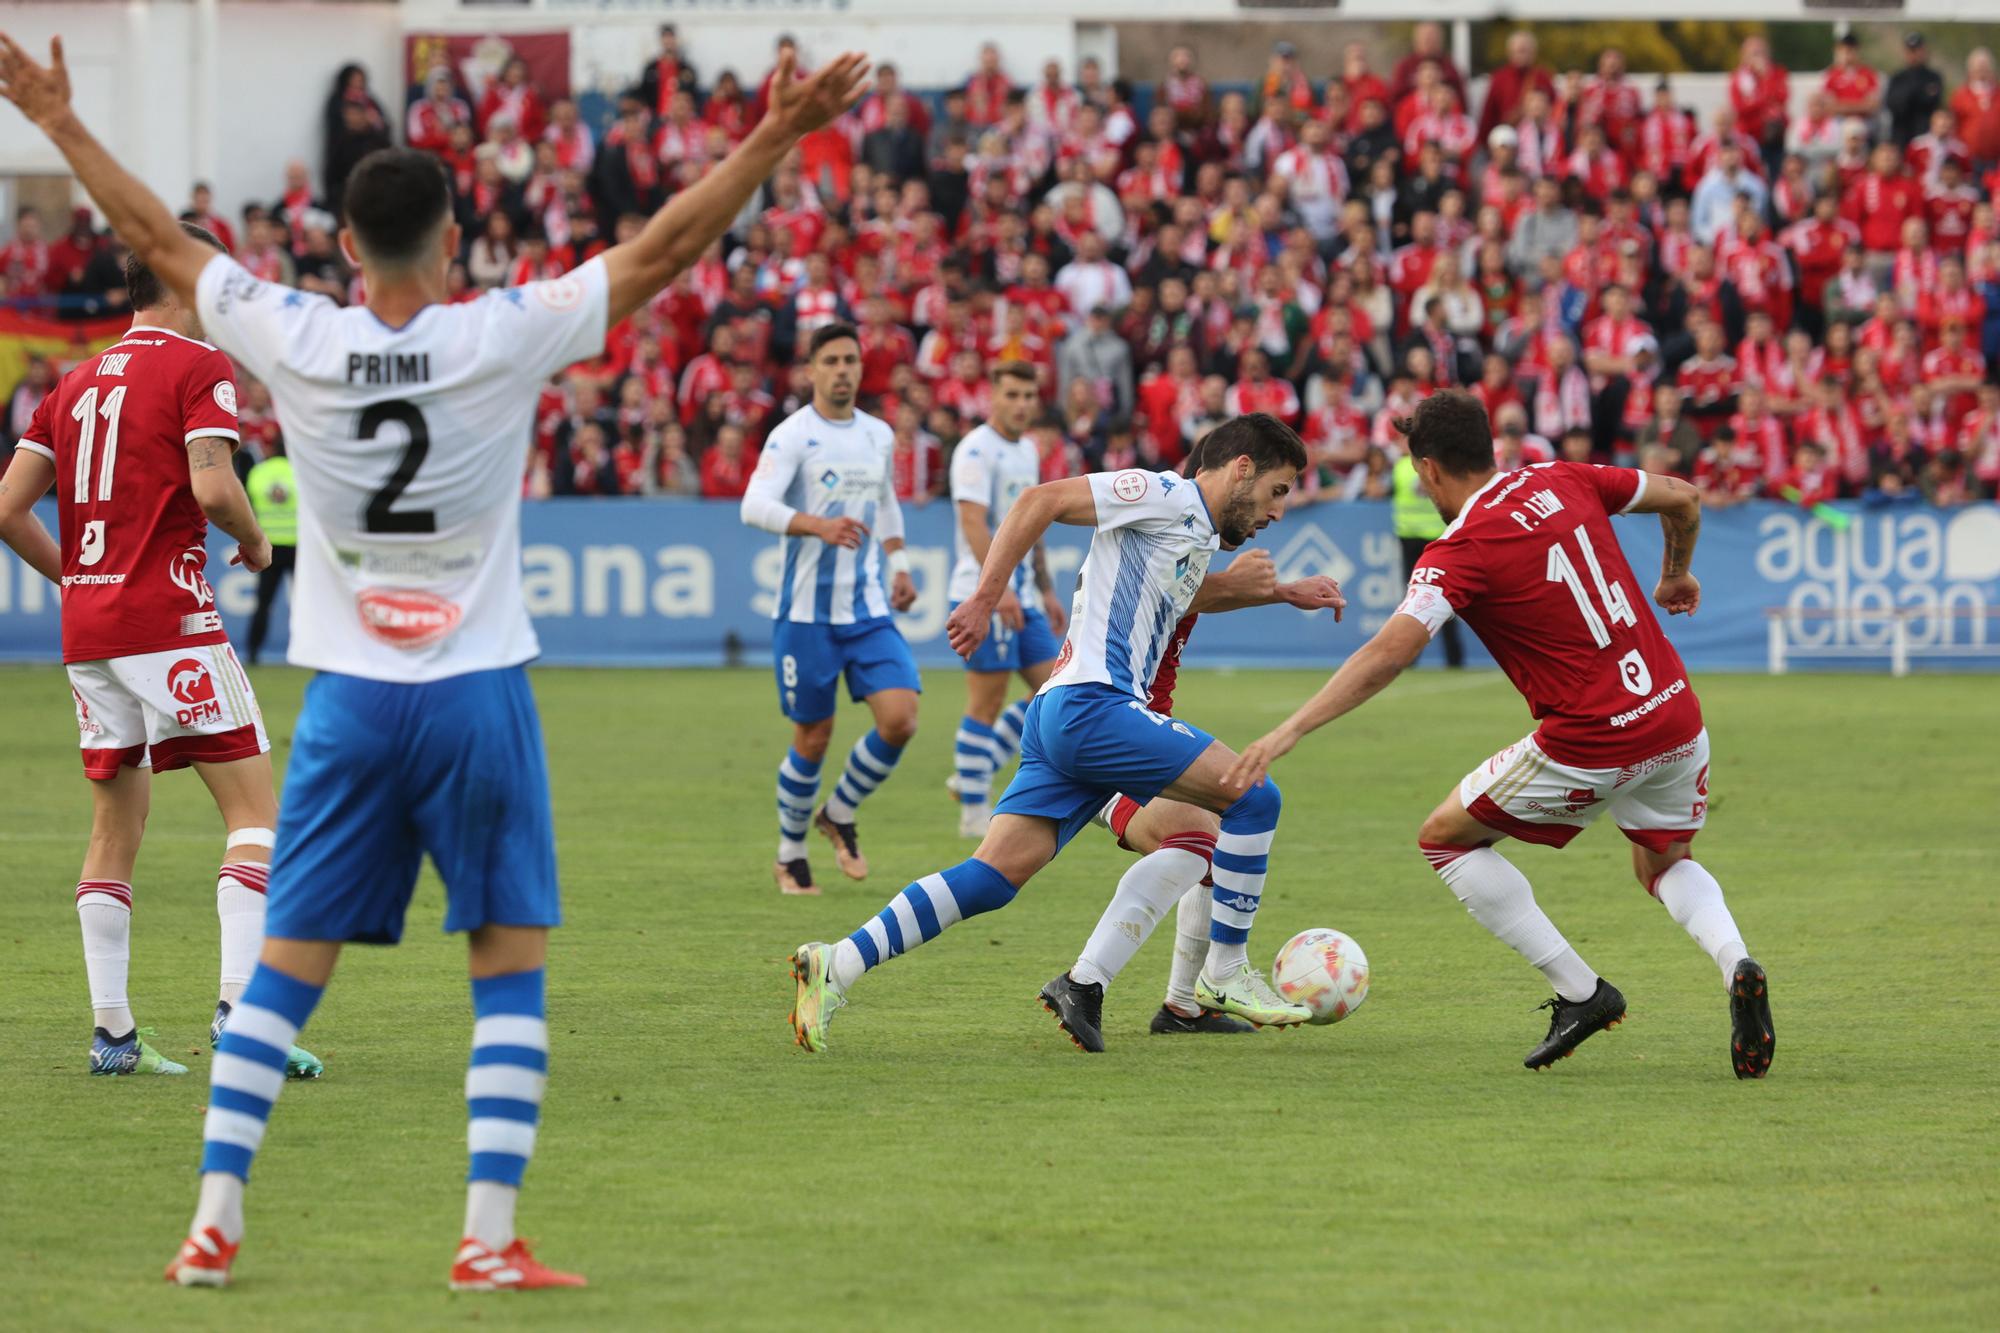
(381, 514)
(86, 412)
(1617, 607)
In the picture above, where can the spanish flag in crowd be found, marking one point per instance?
(63, 342)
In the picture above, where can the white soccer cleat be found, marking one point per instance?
(973, 819)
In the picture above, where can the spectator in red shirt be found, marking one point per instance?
(1879, 202)
(1853, 89)
(514, 96)
(1504, 89)
(1426, 48)
(1760, 90)
(986, 91)
(726, 466)
(1976, 105)
(25, 261)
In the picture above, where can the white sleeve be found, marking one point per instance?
(971, 477)
(249, 318)
(1137, 499)
(764, 498)
(1427, 606)
(564, 319)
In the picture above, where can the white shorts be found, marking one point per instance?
(1524, 794)
(165, 710)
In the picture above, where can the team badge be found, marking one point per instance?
(1129, 486)
(225, 396)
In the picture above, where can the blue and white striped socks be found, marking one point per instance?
(798, 788)
(869, 765)
(244, 1080)
(503, 1098)
(1007, 732)
(1242, 855)
(920, 912)
(973, 757)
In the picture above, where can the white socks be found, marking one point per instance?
(107, 952)
(239, 908)
(489, 1213)
(1500, 899)
(1224, 961)
(1149, 886)
(1694, 900)
(220, 1205)
(1190, 950)
(847, 965)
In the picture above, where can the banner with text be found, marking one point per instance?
(684, 583)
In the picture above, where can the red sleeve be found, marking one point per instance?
(41, 431)
(1618, 487)
(208, 399)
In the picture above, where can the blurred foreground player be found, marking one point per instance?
(1531, 564)
(409, 422)
(138, 440)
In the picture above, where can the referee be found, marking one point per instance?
(276, 502)
(1417, 520)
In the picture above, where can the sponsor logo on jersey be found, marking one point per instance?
(90, 549)
(193, 687)
(185, 570)
(1129, 486)
(225, 396)
(1630, 716)
(406, 618)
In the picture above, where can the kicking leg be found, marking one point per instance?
(244, 1081)
(1014, 849)
(869, 765)
(503, 1099)
(1694, 900)
(1500, 898)
(798, 789)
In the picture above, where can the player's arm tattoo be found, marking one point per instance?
(1680, 528)
(205, 452)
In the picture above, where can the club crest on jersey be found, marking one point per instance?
(1129, 486)
(193, 687)
(185, 571)
(406, 618)
(225, 396)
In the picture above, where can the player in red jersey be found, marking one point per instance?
(136, 441)
(1529, 561)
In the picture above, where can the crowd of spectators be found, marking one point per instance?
(1800, 307)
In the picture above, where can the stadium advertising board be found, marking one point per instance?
(683, 583)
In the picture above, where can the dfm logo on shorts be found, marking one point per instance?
(193, 687)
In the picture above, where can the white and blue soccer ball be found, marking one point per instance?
(1323, 970)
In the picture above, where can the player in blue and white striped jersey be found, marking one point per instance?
(1090, 733)
(826, 484)
(990, 470)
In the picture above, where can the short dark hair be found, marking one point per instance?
(1014, 370)
(396, 200)
(1450, 428)
(1265, 440)
(830, 333)
(143, 289)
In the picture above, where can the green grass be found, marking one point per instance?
(954, 1163)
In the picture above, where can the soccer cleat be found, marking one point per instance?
(1570, 1021)
(1079, 1011)
(846, 846)
(480, 1267)
(300, 1063)
(1167, 1021)
(1752, 1039)
(817, 1000)
(128, 1054)
(795, 878)
(203, 1261)
(1248, 996)
(973, 819)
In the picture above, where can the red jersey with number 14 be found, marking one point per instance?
(134, 539)
(1531, 564)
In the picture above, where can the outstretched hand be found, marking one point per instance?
(801, 106)
(42, 92)
(1317, 592)
(1256, 760)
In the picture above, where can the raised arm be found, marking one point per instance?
(1066, 501)
(27, 480)
(133, 211)
(641, 268)
(1679, 506)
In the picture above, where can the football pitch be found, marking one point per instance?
(953, 1162)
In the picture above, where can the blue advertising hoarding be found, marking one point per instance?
(683, 583)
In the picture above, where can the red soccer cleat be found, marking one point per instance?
(479, 1267)
(203, 1261)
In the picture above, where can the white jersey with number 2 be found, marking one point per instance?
(408, 446)
(1146, 561)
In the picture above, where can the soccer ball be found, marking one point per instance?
(1323, 970)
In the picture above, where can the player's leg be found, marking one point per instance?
(882, 673)
(1037, 649)
(807, 673)
(973, 750)
(1194, 919)
(243, 793)
(1458, 843)
(1661, 812)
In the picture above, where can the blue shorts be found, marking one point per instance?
(382, 773)
(1083, 744)
(1016, 649)
(809, 659)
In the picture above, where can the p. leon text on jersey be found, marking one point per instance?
(388, 367)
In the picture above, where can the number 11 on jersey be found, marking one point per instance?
(86, 412)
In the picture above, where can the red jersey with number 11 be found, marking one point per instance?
(1531, 564)
(134, 539)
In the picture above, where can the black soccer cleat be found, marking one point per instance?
(1167, 1021)
(846, 844)
(1079, 1011)
(1573, 1020)
(1752, 1039)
